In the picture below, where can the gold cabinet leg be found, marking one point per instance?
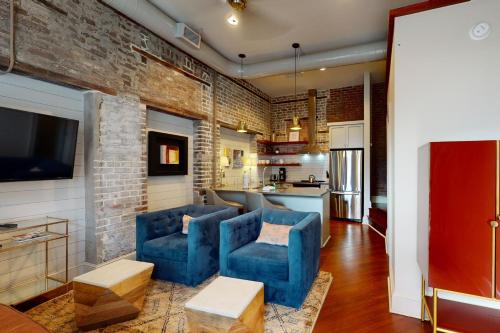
(422, 301)
(434, 310)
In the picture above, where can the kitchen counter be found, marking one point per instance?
(289, 191)
(302, 199)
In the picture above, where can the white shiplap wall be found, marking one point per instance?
(58, 198)
(171, 191)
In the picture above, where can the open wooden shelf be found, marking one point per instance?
(279, 164)
(277, 154)
(277, 143)
(462, 317)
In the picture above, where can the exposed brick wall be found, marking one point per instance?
(116, 170)
(284, 108)
(235, 103)
(92, 43)
(379, 140)
(345, 104)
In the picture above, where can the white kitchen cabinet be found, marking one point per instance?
(338, 137)
(346, 136)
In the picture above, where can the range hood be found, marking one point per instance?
(312, 147)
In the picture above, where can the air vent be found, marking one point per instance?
(188, 34)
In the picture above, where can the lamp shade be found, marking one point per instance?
(224, 161)
(295, 124)
(242, 127)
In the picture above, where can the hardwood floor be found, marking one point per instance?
(357, 300)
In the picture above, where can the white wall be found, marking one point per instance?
(445, 87)
(234, 140)
(171, 191)
(58, 198)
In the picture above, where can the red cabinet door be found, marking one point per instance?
(462, 205)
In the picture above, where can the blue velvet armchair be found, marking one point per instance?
(287, 272)
(187, 259)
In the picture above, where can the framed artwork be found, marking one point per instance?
(167, 154)
(237, 159)
(293, 136)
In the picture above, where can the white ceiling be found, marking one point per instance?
(267, 28)
(331, 78)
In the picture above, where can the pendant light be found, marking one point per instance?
(295, 119)
(242, 126)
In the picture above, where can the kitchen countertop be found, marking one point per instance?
(290, 191)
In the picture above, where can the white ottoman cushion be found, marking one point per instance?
(113, 273)
(225, 296)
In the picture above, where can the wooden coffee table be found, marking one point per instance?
(110, 294)
(227, 305)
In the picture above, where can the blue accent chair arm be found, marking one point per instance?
(203, 243)
(157, 224)
(303, 255)
(236, 232)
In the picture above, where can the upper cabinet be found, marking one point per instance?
(346, 136)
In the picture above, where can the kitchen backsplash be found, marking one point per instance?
(316, 165)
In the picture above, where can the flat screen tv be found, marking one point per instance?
(35, 146)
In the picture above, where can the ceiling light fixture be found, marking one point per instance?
(242, 127)
(322, 69)
(295, 120)
(233, 20)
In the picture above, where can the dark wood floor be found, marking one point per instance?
(357, 300)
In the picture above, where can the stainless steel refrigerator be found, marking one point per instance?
(346, 184)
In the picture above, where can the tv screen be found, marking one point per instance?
(35, 146)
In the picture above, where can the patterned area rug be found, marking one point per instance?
(164, 311)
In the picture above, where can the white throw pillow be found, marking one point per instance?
(185, 223)
(274, 234)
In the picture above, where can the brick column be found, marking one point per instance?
(116, 174)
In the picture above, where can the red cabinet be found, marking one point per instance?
(463, 203)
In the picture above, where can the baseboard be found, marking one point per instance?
(405, 306)
(378, 232)
(326, 241)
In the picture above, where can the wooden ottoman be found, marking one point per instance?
(227, 305)
(110, 294)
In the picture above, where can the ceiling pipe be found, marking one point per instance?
(152, 18)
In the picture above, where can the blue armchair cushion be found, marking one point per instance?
(258, 259)
(188, 259)
(172, 247)
(287, 273)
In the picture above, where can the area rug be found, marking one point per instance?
(164, 311)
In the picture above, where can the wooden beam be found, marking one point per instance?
(168, 65)
(298, 99)
(57, 78)
(233, 127)
(172, 110)
(408, 10)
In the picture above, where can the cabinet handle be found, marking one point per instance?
(494, 224)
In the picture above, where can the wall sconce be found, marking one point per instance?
(242, 127)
